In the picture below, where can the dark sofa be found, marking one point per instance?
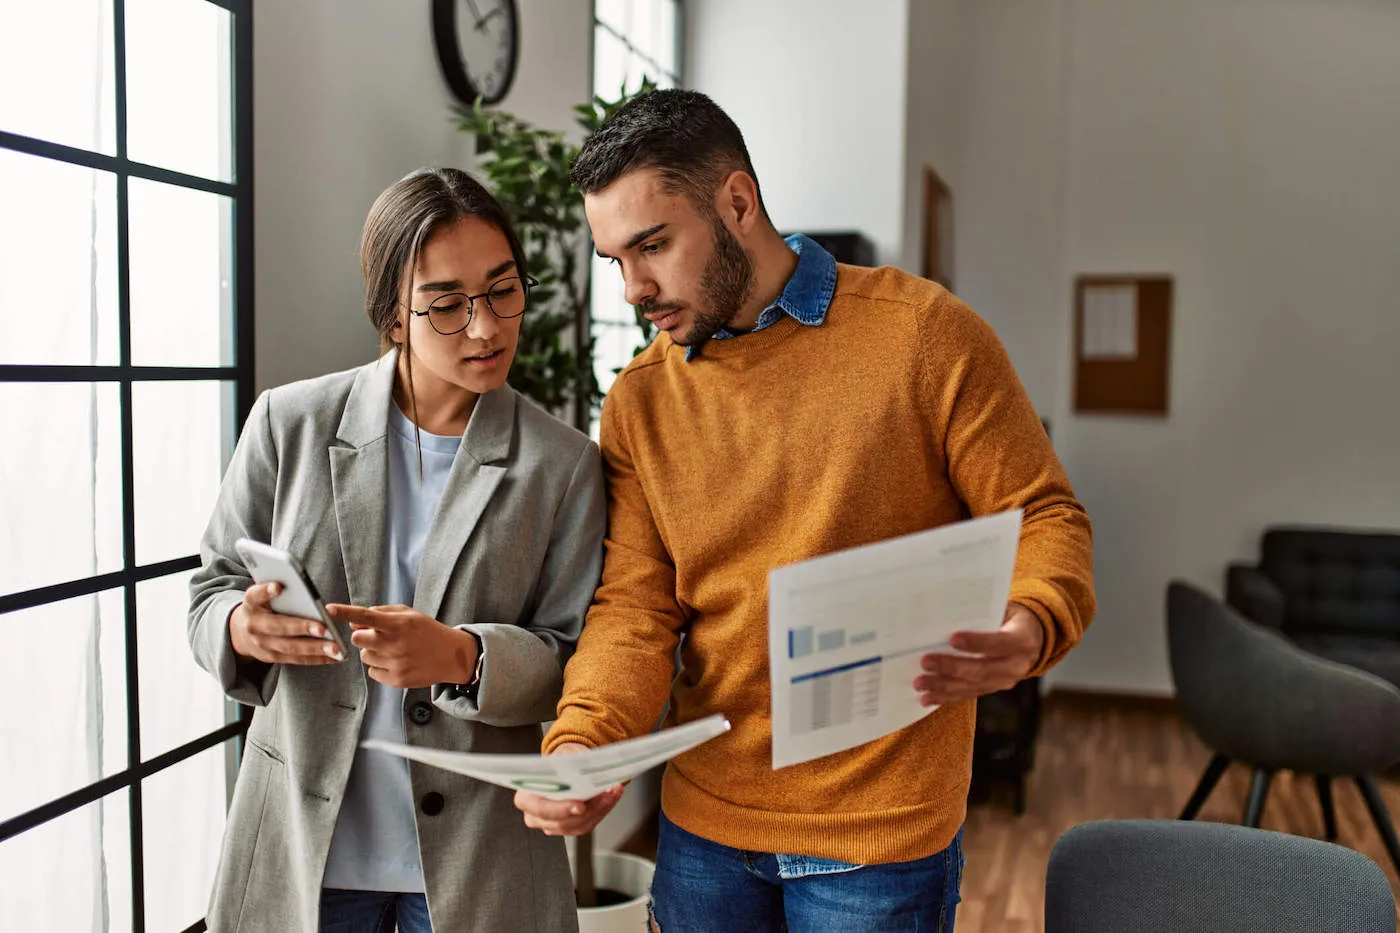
(1333, 592)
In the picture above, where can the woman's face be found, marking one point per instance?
(460, 342)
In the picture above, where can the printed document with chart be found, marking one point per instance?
(846, 631)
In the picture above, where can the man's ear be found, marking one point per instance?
(738, 201)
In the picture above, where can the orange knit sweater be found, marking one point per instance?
(898, 414)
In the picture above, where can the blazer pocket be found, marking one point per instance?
(267, 903)
(245, 819)
(266, 749)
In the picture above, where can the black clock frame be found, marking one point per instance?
(449, 52)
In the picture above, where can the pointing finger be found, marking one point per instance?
(361, 616)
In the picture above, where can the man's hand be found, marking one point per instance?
(255, 631)
(1006, 657)
(566, 817)
(402, 647)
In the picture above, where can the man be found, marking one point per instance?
(790, 407)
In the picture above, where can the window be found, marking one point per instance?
(632, 40)
(125, 370)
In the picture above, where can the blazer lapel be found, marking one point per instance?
(476, 472)
(360, 479)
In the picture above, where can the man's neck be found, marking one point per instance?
(774, 262)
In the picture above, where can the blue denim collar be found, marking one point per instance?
(806, 297)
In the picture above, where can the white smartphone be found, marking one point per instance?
(298, 598)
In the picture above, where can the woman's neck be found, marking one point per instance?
(441, 408)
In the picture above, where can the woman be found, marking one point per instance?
(456, 529)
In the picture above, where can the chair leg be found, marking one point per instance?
(1329, 815)
(1209, 779)
(1380, 815)
(1258, 791)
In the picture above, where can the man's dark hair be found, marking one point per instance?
(684, 135)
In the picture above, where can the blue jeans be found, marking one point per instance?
(373, 912)
(702, 886)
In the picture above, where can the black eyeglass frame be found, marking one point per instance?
(527, 282)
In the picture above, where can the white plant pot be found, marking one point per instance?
(626, 874)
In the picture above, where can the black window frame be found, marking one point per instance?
(239, 191)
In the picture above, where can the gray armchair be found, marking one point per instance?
(1254, 697)
(1161, 875)
(1335, 593)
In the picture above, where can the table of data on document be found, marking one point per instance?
(832, 696)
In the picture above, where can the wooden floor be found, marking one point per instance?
(1105, 758)
(1098, 758)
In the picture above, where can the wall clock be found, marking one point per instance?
(478, 44)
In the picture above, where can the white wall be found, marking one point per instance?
(818, 90)
(348, 99)
(1247, 148)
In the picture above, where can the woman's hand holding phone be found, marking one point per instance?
(256, 632)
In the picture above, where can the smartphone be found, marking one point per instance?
(298, 598)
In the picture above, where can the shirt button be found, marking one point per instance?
(432, 803)
(421, 713)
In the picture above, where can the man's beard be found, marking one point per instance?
(727, 282)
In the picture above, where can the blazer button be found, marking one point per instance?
(421, 713)
(432, 803)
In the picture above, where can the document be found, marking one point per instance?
(1110, 323)
(576, 776)
(846, 631)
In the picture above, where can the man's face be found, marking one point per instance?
(686, 272)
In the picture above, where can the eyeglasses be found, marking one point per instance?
(452, 313)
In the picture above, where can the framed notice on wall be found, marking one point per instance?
(1122, 344)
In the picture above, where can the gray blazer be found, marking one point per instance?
(513, 555)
